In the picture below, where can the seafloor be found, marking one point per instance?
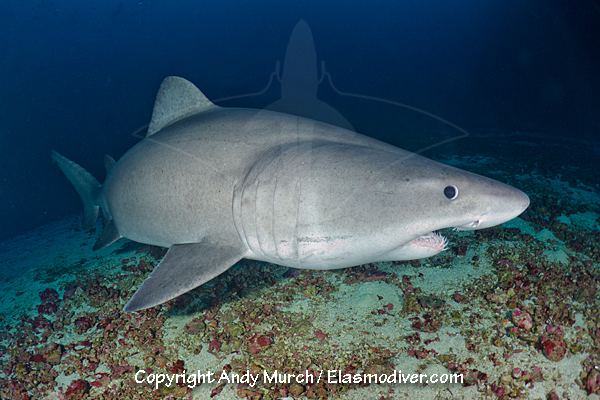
(514, 308)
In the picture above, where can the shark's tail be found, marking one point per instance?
(85, 184)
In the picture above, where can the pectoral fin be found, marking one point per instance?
(184, 267)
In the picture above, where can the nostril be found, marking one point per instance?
(475, 223)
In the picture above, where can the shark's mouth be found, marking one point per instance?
(432, 240)
(469, 227)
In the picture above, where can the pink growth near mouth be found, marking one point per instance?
(433, 241)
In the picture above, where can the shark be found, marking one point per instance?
(215, 185)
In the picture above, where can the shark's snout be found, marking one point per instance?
(522, 202)
(510, 204)
(513, 205)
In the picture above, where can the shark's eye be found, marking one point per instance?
(451, 192)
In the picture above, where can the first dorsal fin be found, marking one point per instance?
(177, 98)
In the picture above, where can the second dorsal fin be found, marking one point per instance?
(109, 163)
(177, 98)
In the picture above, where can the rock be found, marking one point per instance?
(522, 319)
(553, 347)
(177, 367)
(263, 341)
(459, 297)
(83, 324)
(195, 327)
(37, 358)
(296, 389)
(553, 344)
(49, 295)
(319, 334)
(53, 353)
(592, 382)
(77, 389)
(552, 396)
(47, 308)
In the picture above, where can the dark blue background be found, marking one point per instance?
(79, 77)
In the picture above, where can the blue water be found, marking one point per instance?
(80, 77)
(507, 89)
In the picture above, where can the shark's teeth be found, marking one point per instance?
(467, 227)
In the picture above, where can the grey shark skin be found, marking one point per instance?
(216, 185)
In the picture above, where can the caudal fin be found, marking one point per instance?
(85, 184)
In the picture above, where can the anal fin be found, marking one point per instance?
(184, 267)
(110, 234)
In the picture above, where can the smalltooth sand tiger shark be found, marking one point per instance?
(216, 185)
